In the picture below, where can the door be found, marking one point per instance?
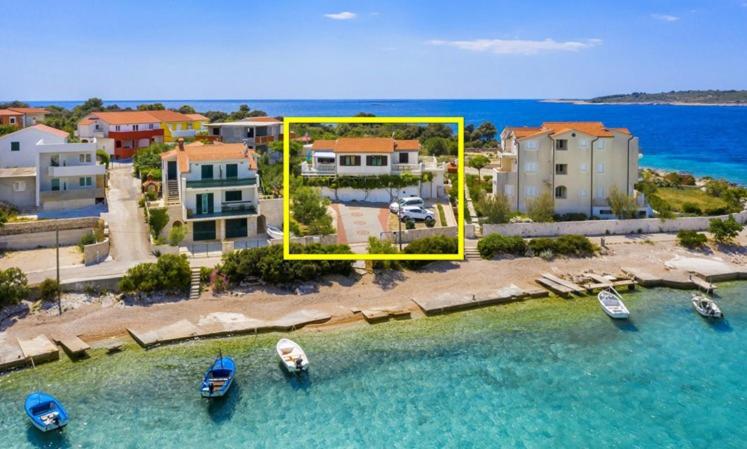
(261, 224)
(207, 172)
(203, 230)
(171, 170)
(204, 203)
(232, 171)
(236, 228)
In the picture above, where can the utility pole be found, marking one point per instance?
(59, 293)
(399, 234)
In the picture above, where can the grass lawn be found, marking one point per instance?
(677, 197)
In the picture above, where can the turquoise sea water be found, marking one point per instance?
(704, 140)
(542, 373)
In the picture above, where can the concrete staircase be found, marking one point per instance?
(471, 254)
(172, 191)
(194, 288)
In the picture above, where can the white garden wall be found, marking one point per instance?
(605, 227)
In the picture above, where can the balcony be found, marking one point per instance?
(318, 169)
(77, 170)
(133, 135)
(217, 183)
(232, 209)
(73, 194)
(406, 168)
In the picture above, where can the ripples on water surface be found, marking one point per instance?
(542, 373)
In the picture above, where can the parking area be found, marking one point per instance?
(448, 218)
(358, 221)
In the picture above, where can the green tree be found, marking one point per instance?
(724, 231)
(486, 132)
(542, 208)
(103, 157)
(187, 109)
(622, 205)
(436, 146)
(13, 286)
(177, 234)
(479, 162)
(309, 207)
(151, 107)
(170, 273)
(494, 208)
(148, 160)
(7, 129)
(157, 219)
(377, 246)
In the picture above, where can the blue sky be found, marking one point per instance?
(61, 50)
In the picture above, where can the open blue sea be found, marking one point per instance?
(546, 373)
(704, 140)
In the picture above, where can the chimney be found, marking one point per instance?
(180, 142)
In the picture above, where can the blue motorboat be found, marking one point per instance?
(218, 378)
(45, 411)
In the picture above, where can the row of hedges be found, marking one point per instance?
(267, 263)
(565, 245)
(439, 244)
(170, 273)
(368, 182)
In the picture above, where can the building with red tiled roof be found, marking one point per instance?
(213, 190)
(22, 117)
(129, 130)
(578, 164)
(257, 132)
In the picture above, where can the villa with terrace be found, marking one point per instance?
(255, 132)
(371, 156)
(577, 163)
(213, 189)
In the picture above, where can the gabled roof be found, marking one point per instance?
(218, 151)
(30, 110)
(9, 112)
(166, 115)
(261, 119)
(249, 121)
(121, 117)
(595, 129)
(42, 128)
(366, 145)
(197, 117)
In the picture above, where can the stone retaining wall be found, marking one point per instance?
(29, 227)
(605, 227)
(96, 252)
(413, 234)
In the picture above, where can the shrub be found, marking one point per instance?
(438, 244)
(724, 230)
(622, 204)
(691, 208)
(565, 245)
(87, 239)
(157, 219)
(494, 208)
(48, 289)
(13, 286)
(177, 234)
(409, 224)
(170, 273)
(691, 239)
(497, 244)
(571, 216)
(267, 263)
(376, 246)
(542, 208)
(717, 210)
(309, 208)
(205, 274)
(441, 215)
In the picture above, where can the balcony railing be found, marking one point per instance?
(318, 169)
(56, 171)
(227, 210)
(225, 182)
(406, 168)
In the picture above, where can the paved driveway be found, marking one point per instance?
(357, 221)
(129, 233)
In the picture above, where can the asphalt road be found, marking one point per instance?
(127, 228)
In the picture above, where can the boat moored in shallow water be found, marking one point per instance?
(706, 306)
(612, 304)
(292, 355)
(218, 378)
(45, 411)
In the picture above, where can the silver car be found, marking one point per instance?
(406, 201)
(417, 213)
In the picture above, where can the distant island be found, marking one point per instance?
(680, 97)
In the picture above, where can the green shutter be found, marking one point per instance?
(15, 146)
(232, 171)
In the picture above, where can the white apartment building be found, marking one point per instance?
(213, 189)
(255, 132)
(40, 169)
(578, 163)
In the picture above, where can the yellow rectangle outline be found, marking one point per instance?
(459, 121)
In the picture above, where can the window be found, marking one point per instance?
(233, 195)
(85, 157)
(19, 186)
(531, 145)
(404, 158)
(530, 167)
(601, 192)
(204, 203)
(600, 167)
(531, 191)
(561, 192)
(55, 184)
(150, 126)
(135, 127)
(12, 120)
(561, 144)
(376, 161)
(15, 146)
(583, 168)
(350, 161)
(600, 144)
(203, 230)
(207, 172)
(85, 181)
(54, 160)
(232, 171)
(561, 169)
(117, 128)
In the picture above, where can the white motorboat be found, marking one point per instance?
(274, 232)
(292, 355)
(612, 304)
(706, 306)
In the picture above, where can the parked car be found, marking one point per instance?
(416, 213)
(406, 201)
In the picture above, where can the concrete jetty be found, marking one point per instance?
(39, 349)
(449, 302)
(219, 324)
(72, 344)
